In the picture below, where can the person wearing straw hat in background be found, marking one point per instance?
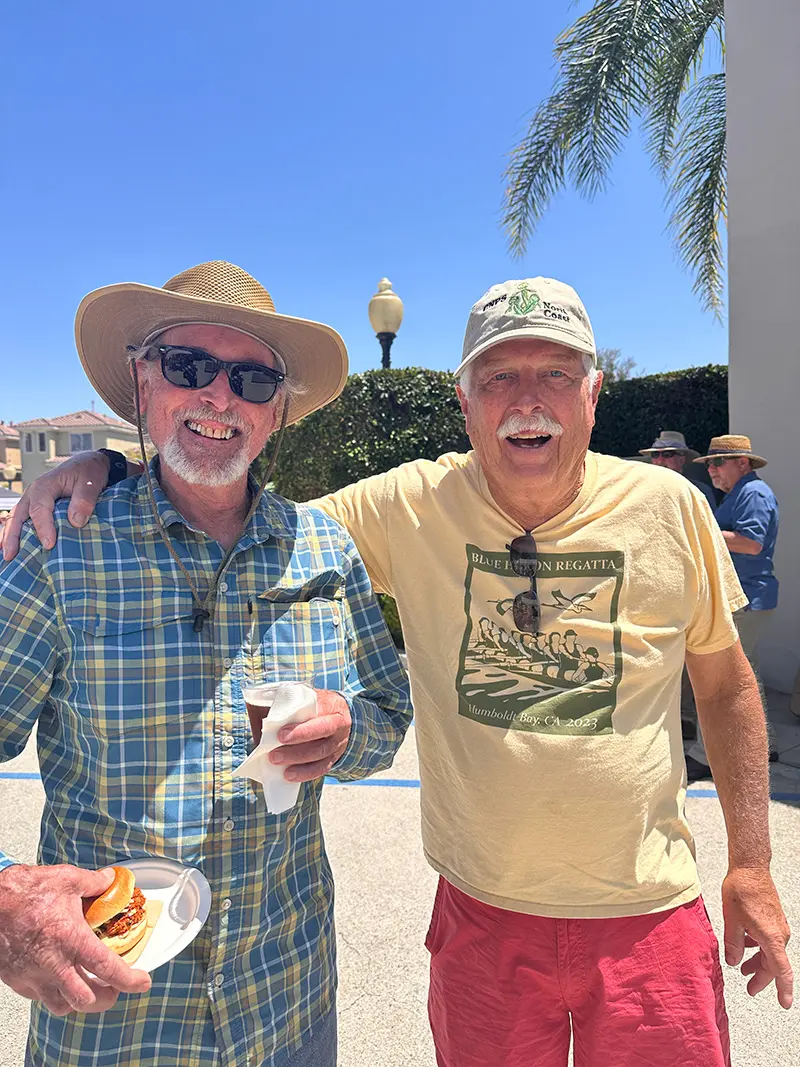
(671, 451)
(748, 517)
(568, 904)
(129, 641)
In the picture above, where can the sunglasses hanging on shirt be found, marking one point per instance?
(526, 608)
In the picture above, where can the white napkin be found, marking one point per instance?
(293, 702)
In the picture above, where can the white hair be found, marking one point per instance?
(464, 379)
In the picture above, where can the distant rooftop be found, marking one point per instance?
(8, 431)
(76, 419)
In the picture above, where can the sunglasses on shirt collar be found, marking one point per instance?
(526, 607)
(194, 368)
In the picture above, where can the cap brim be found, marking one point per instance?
(690, 452)
(115, 316)
(542, 334)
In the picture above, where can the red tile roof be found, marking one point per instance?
(8, 431)
(77, 419)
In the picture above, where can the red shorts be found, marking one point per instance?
(507, 989)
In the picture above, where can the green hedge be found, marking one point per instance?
(631, 413)
(381, 419)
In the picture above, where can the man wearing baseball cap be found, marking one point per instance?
(553, 801)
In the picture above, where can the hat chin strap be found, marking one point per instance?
(203, 607)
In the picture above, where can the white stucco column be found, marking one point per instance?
(763, 85)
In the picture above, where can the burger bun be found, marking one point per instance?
(115, 899)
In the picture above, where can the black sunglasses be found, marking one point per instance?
(194, 368)
(718, 462)
(667, 453)
(527, 611)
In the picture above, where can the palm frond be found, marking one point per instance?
(698, 188)
(607, 60)
(676, 69)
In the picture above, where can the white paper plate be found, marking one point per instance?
(186, 896)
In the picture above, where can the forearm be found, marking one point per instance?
(376, 734)
(735, 737)
(376, 687)
(737, 542)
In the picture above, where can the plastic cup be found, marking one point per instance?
(258, 700)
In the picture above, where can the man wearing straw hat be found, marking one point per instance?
(671, 451)
(748, 517)
(130, 642)
(568, 905)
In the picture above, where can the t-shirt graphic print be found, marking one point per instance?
(562, 680)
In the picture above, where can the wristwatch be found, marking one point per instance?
(119, 466)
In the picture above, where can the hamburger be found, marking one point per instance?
(119, 916)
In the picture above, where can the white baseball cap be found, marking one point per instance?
(531, 307)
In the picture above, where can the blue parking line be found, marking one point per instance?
(396, 783)
(413, 783)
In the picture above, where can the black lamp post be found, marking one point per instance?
(385, 315)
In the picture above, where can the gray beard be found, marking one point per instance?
(233, 470)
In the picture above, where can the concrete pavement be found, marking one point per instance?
(384, 896)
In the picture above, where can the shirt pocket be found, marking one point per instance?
(300, 633)
(134, 673)
(135, 704)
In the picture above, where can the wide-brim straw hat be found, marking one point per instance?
(732, 445)
(669, 441)
(111, 318)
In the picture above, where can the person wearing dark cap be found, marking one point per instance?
(748, 517)
(670, 450)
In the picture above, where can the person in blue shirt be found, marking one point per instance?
(670, 450)
(748, 518)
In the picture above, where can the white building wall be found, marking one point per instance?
(763, 84)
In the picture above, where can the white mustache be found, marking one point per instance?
(517, 424)
(227, 418)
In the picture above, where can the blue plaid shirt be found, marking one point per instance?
(140, 724)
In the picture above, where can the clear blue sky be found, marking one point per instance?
(318, 146)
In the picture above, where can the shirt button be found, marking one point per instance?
(223, 587)
(228, 824)
(219, 980)
(226, 904)
(336, 620)
(227, 662)
(227, 741)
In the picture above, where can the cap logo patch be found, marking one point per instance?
(523, 301)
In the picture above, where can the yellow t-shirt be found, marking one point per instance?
(552, 767)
